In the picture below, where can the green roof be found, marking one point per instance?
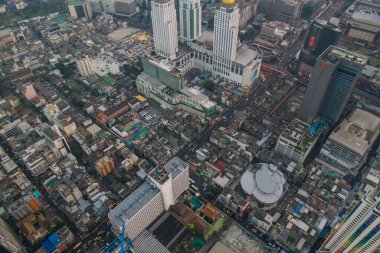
(74, 2)
(109, 80)
(103, 134)
(59, 19)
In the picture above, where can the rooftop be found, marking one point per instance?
(296, 130)
(245, 55)
(162, 1)
(5, 32)
(370, 72)
(328, 24)
(333, 54)
(198, 95)
(302, 133)
(175, 166)
(152, 81)
(75, 2)
(49, 132)
(367, 18)
(133, 203)
(358, 132)
(266, 184)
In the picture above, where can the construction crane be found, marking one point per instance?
(125, 245)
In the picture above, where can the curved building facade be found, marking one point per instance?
(266, 185)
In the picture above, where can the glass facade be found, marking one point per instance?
(320, 37)
(172, 81)
(340, 86)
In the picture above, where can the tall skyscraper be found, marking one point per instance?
(332, 82)
(359, 232)
(321, 35)
(226, 25)
(165, 28)
(7, 240)
(190, 19)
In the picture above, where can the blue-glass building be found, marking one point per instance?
(331, 84)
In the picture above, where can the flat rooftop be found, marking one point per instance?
(158, 238)
(133, 203)
(333, 54)
(358, 132)
(367, 18)
(163, 63)
(295, 131)
(198, 95)
(170, 238)
(244, 54)
(75, 2)
(175, 166)
(152, 81)
(51, 133)
(5, 32)
(371, 73)
(328, 24)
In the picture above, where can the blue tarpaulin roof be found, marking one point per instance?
(54, 238)
(52, 243)
(299, 208)
(49, 246)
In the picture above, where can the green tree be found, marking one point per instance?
(209, 85)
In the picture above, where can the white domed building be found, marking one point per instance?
(266, 185)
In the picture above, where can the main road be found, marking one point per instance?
(226, 119)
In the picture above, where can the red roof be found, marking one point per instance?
(221, 165)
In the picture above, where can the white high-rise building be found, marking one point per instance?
(359, 232)
(161, 190)
(190, 19)
(84, 66)
(7, 239)
(226, 25)
(164, 23)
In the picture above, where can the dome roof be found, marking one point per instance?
(228, 2)
(266, 184)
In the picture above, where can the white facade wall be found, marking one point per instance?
(164, 24)
(226, 25)
(287, 148)
(84, 66)
(181, 183)
(147, 214)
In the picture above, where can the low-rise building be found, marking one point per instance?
(364, 27)
(39, 156)
(234, 202)
(33, 227)
(7, 37)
